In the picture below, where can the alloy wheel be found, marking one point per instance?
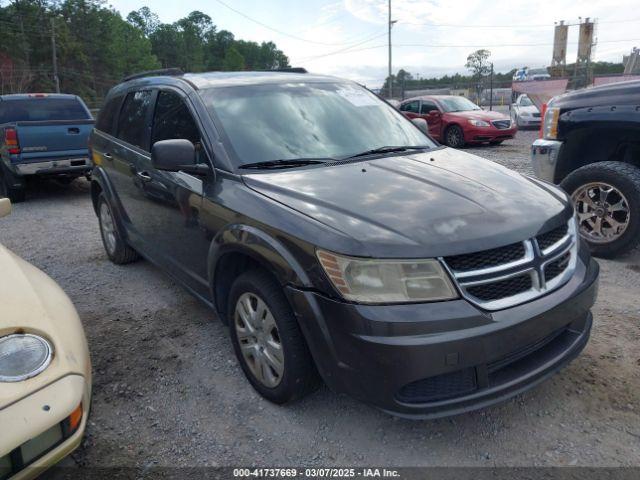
(453, 137)
(259, 339)
(603, 212)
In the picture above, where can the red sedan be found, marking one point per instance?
(456, 121)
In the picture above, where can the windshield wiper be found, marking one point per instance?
(285, 163)
(388, 149)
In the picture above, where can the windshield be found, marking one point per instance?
(307, 120)
(457, 104)
(525, 102)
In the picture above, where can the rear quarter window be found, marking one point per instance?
(108, 114)
(42, 109)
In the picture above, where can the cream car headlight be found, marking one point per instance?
(387, 281)
(479, 123)
(23, 356)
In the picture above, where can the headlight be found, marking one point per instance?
(23, 356)
(550, 129)
(479, 123)
(387, 281)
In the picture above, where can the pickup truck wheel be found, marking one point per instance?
(453, 137)
(117, 250)
(16, 195)
(267, 340)
(607, 200)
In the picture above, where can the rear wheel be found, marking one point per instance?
(453, 137)
(267, 339)
(606, 196)
(117, 250)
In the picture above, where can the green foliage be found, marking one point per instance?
(96, 47)
(233, 60)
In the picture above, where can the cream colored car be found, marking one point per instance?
(45, 372)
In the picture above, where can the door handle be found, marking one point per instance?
(144, 176)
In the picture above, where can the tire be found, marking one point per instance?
(620, 184)
(496, 142)
(297, 376)
(454, 137)
(117, 250)
(16, 195)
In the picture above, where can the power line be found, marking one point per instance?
(280, 32)
(521, 26)
(407, 45)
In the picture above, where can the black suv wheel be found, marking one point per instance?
(267, 339)
(117, 250)
(607, 200)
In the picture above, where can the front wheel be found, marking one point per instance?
(454, 137)
(606, 196)
(267, 339)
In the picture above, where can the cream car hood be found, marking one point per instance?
(31, 302)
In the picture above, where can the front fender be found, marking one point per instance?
(261, 247)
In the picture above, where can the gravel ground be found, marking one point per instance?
(169, 392)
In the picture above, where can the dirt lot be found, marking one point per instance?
(168, 391)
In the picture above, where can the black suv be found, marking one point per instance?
(341, 243)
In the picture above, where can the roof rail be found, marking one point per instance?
(290, 70)
(171, 72)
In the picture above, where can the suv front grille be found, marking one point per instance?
(502, 289)
(502, 124)
(486, 258)
(516, 273)
(548, 239)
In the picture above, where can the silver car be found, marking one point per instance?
(524, 113)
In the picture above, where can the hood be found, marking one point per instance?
(30, 302)
(486, 115)
(530, 109)
(435, 203)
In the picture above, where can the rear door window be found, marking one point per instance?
(410, 107)
(108, 114)
(133, 121)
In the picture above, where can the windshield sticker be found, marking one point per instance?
(359, 98)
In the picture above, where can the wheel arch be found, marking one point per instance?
(589, 141)
(240, 247)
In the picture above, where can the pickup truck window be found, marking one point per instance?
(42, 109)
(132, 122)
(108, 114)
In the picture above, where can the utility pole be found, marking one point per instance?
(54, 56)
(491, 88)
(390, 89)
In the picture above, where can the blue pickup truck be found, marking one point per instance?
(45, 135)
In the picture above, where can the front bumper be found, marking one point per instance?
(544, 158)
(29, 418)
(488, 134)
(527, 122)
(445, 358)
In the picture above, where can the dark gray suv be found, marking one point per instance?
(341, 243)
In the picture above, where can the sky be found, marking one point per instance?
(348, 38)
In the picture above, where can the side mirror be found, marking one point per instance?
(434, 113)
(421, 123)
(177, 155)
(5, 207)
